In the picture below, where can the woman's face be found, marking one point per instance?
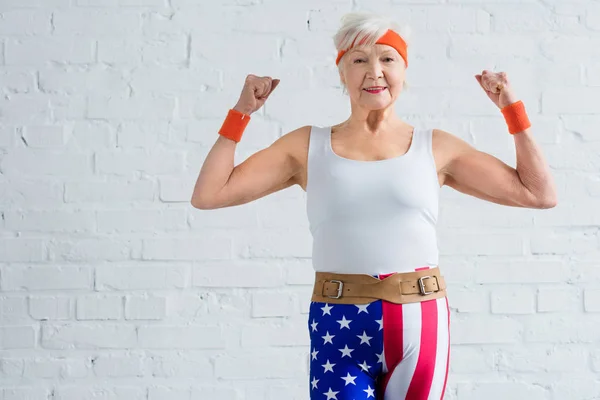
(378, 65)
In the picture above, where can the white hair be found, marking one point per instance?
(364, 28)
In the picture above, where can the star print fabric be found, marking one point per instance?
(380, 350)
(346, 350)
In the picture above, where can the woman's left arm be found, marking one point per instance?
(483, 175)
(533, 170)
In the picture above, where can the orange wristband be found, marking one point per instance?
(234, 125)
(516, 117)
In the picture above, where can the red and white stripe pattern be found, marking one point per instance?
(416, 347)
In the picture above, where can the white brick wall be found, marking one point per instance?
(113, 287)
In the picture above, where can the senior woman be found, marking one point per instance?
(379, 320)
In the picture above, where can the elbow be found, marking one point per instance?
(550, 202)
(200, 204)
(206, 201)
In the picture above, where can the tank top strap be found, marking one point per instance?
(428, 141)
(418, 140)
(316, 154)
(317, 141)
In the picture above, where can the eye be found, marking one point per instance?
(387, 58)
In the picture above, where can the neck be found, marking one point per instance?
(372, 122)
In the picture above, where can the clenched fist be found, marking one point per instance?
(255, 92)
(497, 88)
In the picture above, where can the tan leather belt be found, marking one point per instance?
(399, 288)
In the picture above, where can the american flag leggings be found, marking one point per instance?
(380, 350)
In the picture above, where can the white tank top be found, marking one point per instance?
(372, 217)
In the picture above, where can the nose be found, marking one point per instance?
(375, 70)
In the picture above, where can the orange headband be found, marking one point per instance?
(390, 38)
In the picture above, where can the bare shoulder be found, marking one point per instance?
(295, 145)
(446, 146)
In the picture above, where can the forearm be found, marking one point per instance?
(217, 167)
(215, 171)
(532, 168)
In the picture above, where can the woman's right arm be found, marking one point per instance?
(220, 184)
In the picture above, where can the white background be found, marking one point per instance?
(114, 287)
